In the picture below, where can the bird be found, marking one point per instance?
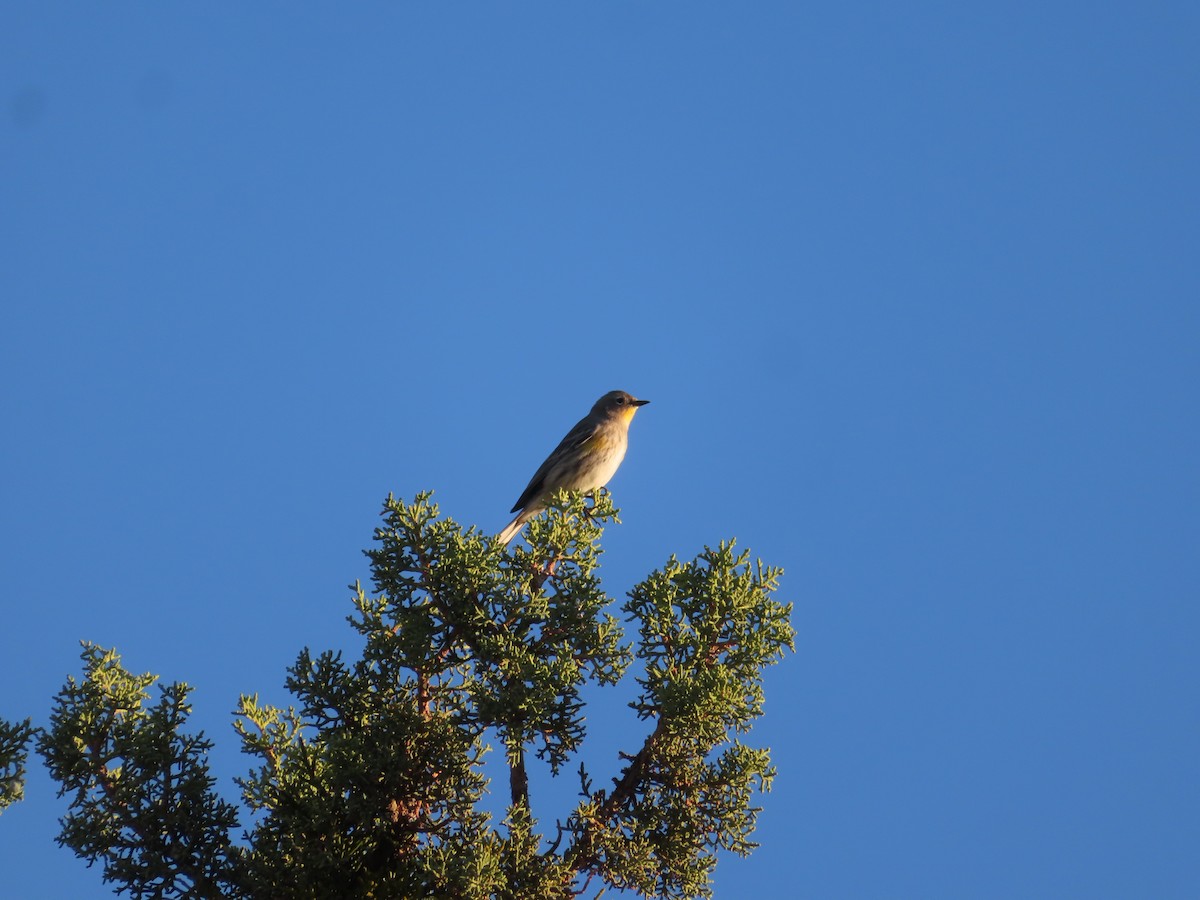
(584, 460)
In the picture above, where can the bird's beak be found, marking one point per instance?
(640, 402)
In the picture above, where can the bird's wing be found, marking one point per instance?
(583, 431)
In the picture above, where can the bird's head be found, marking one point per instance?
(618, 405)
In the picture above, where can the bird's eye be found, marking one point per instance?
(620, 401)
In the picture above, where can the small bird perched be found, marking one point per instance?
(585, 459)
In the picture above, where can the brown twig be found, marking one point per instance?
(582, 853)
(518, 780)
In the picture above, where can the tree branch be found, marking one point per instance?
(582, 853)
(518, 779)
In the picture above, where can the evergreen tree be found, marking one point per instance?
(372, 784)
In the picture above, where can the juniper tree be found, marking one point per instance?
(14, 751)
(374, 784)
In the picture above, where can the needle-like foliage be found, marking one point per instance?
(14, 751)
(141, 793)
(372, 784)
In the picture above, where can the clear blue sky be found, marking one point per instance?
(914, 290)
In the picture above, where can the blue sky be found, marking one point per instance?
(914, 290)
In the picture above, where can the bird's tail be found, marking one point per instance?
(514, 527)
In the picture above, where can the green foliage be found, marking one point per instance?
(371, 784)
(141, 794)
(14, 749)
(707, 629)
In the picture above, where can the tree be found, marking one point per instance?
(14, 751)
(371, 785)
